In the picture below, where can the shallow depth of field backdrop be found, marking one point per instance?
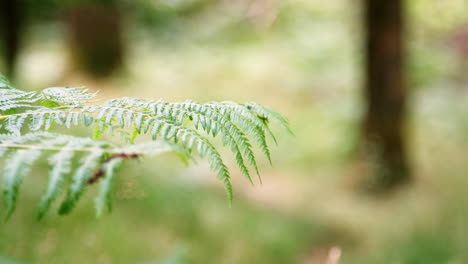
(304, 58)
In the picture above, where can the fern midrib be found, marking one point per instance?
(4, 117)
(26, 146)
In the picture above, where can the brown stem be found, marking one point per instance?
(100, 172)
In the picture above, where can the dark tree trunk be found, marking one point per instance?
(11, 21)
(95, 35)
(385, 93)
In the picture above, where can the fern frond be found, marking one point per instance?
(11, 98)
(88, 165)
(103, 198)
(126, 115)
(67, 96)
(189, 125)
(61, 165)
(164, 120)
(211, 122)
(265, 114)
(4, 83)
(16, 166)
(233, 121)
(97, 161)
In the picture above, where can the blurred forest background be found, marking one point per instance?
(376, 93)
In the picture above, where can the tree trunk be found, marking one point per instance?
(11, 18)
(386, 94)
(95, 37)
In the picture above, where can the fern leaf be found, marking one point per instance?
(16, 167)
(11, 98)
(67, 96)
(103, 198)
(61, 164)
(232, 133)
(266, 114)
(4, 83)
(81, 175)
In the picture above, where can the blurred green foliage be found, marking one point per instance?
(145, 228)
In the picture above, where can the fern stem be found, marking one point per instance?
(4, 117)
(51, 148)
